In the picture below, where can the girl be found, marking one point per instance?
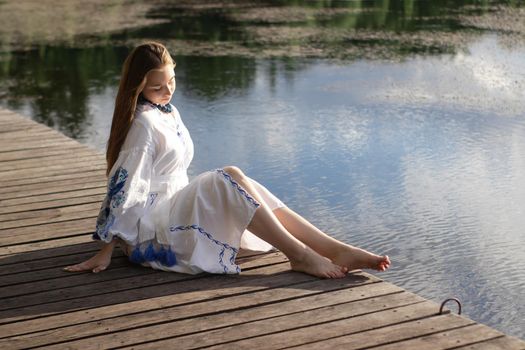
(169, 223)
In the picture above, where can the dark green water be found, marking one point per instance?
(401, 144)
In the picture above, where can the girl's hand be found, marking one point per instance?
(98, 263)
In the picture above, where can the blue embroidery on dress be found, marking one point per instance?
(224, 246)
(232, 261)
(150, 254)
(152, 197)
(164, 256)
(115, 186)
(114, 198)
(239, 188)
(104, 221)
(136, 256)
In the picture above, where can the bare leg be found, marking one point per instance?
(266, 226)
(338, 252)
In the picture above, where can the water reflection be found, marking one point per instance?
(216, 77)
(54, 84)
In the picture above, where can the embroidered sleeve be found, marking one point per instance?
(127, 197)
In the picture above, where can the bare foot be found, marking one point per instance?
(355, 258)
(316, 265)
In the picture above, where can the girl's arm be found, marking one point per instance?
(97, 263)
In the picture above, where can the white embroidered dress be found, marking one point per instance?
(168, 222)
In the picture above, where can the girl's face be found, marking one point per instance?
(160, 85)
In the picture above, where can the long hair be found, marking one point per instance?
(139, 62)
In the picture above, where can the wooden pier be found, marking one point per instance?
(50, 194)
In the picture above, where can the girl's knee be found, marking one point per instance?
(234, 172)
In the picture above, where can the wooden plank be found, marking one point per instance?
(14, 127)
(84, 155)
(32, 154)
(60, 215)
(21, 124)
(52, 171)
(37, 145)
(53, 187)
(42, 165)
(47, 231)
(44, 269)
(56, 250)
(7, 137)
(90, 175)
(468, 335)
(34, 129)
(502, 343)
(8, 115)
(36, 217)
(120, 268)
(16, 118)
(182, 319)
(60, 202)
(22, 250)
(31, 140)
(97, 188)
(32, 242)
(28, 131)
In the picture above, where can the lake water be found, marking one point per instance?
(420, 157)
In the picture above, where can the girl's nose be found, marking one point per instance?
(170, 88)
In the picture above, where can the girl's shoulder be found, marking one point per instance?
(175, 113)
(146, 115)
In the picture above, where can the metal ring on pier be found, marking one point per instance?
(450, 299)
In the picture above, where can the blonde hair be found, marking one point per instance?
(139, 62)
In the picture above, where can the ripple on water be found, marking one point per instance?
(248, 108)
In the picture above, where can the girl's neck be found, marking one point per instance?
(167, 108)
